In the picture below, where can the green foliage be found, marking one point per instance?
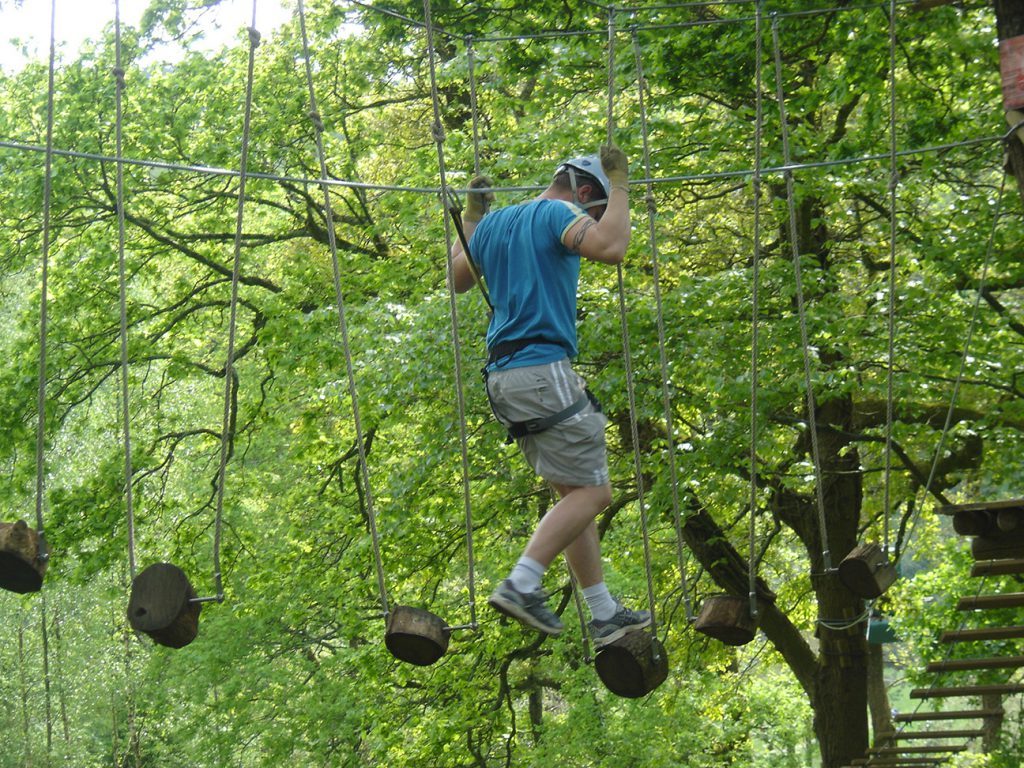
(291, 668)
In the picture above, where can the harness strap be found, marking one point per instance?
(519, 429)
(509, 348)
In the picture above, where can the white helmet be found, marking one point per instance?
(590, 166)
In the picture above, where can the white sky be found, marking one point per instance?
(25, 29)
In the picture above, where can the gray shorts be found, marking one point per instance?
(569, 453)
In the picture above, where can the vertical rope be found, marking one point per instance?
(318, 126)
(610, 119)
(628, 360)
(58, 647)
(755, 304)
(23, 679)
(119, 86)
(471, 60)
(44, 553)
(47, 693)
(801, 309)
(437, 131)
(227, 428)
(666, 397)
(893, 186)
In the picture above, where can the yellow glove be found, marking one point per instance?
(615, 164)
(478, 203)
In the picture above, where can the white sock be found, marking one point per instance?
(600, 602)
(527, 575)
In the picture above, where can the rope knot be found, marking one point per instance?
(254, 37)
(118, 74)
(318, 124)
(437, 132)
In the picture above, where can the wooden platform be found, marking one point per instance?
(996, 527)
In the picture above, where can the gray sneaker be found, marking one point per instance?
(624, 621)
(529, 609)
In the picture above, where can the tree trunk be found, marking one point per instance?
(840, 696)
(878, 694)
(991, 725)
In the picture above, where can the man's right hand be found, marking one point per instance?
(615, 164)
(478, 203)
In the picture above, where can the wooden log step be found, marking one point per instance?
(961, 714)
(966, 690)
(924, 750)
(897, 762)
(960, 665)
(1006, 567)
(163, 605)
(982, 633)
(727, 618)
(987, 602)
(866, 571)
(954, 733)
(23, 558)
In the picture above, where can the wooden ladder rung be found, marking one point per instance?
(962, 714)
(982, 633)
(966, 690)
(982, 602)
(955, 733)
(1005, 567)
(959, 665)
(930, 750)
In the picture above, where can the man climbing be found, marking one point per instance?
(529, 257)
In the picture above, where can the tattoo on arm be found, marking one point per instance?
(578, 239)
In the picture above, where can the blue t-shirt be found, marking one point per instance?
(532, 278)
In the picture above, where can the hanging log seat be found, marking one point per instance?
(163, 605)
(23, 558)
(866, 571)
(727, 618)
(632, 666)
(416, 636)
